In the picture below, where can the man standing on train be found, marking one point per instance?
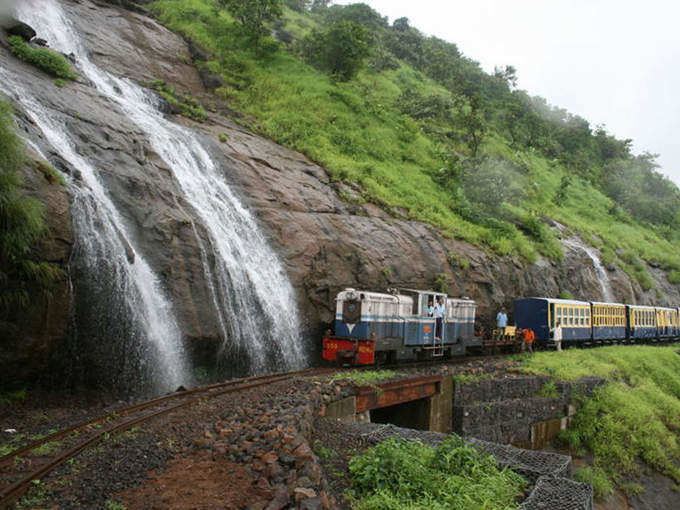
(439, 311)
(501, 321)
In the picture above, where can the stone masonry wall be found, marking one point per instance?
(504, 410)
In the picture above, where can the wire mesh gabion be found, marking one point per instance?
(531, 464)
(547, 471)
(553, 493)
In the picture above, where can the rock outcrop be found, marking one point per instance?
(326, 243)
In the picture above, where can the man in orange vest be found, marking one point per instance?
(528, 337)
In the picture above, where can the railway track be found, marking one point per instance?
(91, 432)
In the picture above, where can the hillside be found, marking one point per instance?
(422, 131)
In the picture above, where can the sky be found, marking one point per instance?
(613, 62)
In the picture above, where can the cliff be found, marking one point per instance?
(326, 240)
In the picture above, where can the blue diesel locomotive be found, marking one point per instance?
(375, 327)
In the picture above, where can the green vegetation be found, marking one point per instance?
(463, 379)
(366, 377)
(565, 294)
(42, 58)
(224, 137)
(184, 104)
(549, 390)
(602, 486)
(458, 260)
(50, 173)
(322, 452)
(21, 227)
(114, 505)
(7, 398)
(634, 418)
(409, 475)
(339, 50)
(422, 128)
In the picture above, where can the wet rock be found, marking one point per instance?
(21, 29)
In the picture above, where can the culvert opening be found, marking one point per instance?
(409, 415)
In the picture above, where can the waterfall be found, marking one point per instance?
(250, 286)
(600, 271)
(150, 340)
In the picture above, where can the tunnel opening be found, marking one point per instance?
(410, 415)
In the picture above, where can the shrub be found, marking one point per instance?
(458, 260)
(49, 61)
(398, 475)
(674, 276)
(184, 104)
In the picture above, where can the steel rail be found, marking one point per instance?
(17, 489)
(9, 458)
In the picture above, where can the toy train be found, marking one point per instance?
(373, 327)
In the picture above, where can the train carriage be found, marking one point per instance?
(641, 322)
(667, 322)
(609, 321)
(541, 315)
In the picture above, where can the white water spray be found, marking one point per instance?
(600, 271)
(251, 284)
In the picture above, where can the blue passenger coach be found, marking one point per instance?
(609, 321)
(641, 321)
(541, 315)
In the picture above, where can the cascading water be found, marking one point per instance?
(600, 271)
(132, 332)
(250, 282)
(150, 341)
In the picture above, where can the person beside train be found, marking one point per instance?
(528, 336)
(439, 310)
(557, 335)
(502, 321)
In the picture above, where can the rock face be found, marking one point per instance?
(29, 339)
(325, 243)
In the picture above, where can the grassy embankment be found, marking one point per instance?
(359, 132)
(632, 421)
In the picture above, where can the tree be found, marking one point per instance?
(341, 49)
(253, 14)
(471, 119)
(358, 13)
(401, 24)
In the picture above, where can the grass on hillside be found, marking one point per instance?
(357, 131)
(408, 475)
(636, 416)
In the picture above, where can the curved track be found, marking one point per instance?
(98, 429)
